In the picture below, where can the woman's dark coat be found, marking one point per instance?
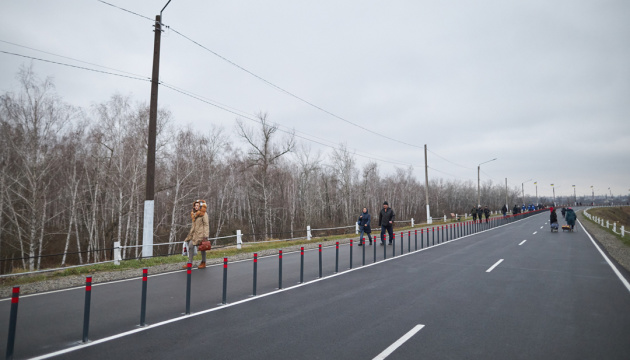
(364, 222)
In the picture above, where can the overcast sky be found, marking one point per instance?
(544, 86)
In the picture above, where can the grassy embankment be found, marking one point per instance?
(620, 215)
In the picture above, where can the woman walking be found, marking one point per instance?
(364, 226)
(199, 231)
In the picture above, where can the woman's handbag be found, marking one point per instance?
(205, 245)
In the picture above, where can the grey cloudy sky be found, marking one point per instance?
(544, 86)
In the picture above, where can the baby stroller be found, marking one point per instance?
(554, 227)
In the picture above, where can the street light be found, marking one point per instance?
(611, 198)
(536, 183)
(523, 189)
(478, 181)
(554, 195)
(575, 196)
(592, 196)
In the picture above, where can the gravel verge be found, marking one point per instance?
(611, 243)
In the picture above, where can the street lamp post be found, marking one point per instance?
(536, 183)
(611, 198)
(592, 196)
(554, 195)
(479, 181)
(574, 196)
(523, 190)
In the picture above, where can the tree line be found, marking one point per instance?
(72, 180)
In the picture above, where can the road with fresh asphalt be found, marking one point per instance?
(515, 291)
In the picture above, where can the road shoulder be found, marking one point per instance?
(613, 247)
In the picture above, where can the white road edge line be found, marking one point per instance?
(522, 242)
(495, 265)
(612, 266)
(535, 232)
(398, 343)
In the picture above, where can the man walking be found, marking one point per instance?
(386, 220)
(504, 210)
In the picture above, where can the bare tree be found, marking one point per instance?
(262, 154)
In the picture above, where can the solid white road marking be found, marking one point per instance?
(522, 242)
(535, 232)
(495, 265)
(623, 280)
(398, 342)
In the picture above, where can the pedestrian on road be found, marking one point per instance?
(563, 211)
(364, 226)
(486, 212)
(473, 212)
(386, 221)
(515, 210)
(504, 210)
(570, 217)
(200, 230)
(553, 217)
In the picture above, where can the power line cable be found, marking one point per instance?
(447, 160)
(269, 82)
(75, 66)
(73, 59)
(197, 97)
(123, 9)
(288, 92)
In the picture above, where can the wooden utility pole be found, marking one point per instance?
(147, 229)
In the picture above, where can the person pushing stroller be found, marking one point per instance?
(553, 219)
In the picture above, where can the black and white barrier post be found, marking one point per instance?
(15, 299)
(86, 308)
(143, 302)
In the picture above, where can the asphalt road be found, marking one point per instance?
(553, 296)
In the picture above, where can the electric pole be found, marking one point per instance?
(147, 230)
(426, 184)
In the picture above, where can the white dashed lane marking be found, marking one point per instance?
(495, 265)
(522, 242)
(390, 349)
